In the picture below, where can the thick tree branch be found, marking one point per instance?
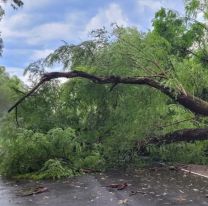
(187, 135)
(27, 95)
(189, 101)
(183, 135)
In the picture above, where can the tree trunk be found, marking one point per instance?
(194, 104)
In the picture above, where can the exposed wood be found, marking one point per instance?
(187, 100)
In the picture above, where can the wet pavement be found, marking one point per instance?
(149, 187)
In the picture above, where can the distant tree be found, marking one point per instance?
(9, 87)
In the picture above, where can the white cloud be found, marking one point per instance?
(15, 70)
(18, 71)
(38, 54)
(153, 5)
(19, 26)
(14, 26)
(33, 4)
(20, 20)
(113, 14)
(48, 32)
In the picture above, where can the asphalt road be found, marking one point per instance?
(145, 188)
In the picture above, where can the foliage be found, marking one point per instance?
(8, 88)
(194, 7)
(55, 154)
(53, 169)
(180, 32)
(192, 153)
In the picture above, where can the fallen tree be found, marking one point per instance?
(193, 103)
(157, 58)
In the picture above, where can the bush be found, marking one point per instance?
(56, 154)
(94, 161)
(28, 151)
(187, 153)
(60, 153)
(53, 169)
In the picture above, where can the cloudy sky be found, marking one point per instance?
(40, 26)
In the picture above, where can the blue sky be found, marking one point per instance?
(39, 27)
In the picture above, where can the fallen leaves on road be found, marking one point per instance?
(121, 202)
(34, 191)
(89, 170)
(135, 192)
(181, 199)
(118, 186)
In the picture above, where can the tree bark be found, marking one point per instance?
(186, 135)
(194, 104)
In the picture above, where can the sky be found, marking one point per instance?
(40, 26)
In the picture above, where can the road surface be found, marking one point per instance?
(145, 188)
